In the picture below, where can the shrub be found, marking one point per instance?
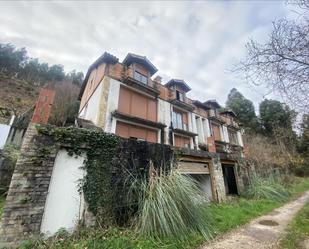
(302, 170)
(270, 188)
(172, 205)
(10, 154)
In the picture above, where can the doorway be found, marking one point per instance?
(229, 179)
(204, 184)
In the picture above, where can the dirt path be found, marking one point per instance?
(263, 232)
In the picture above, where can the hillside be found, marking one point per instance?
(17, 95)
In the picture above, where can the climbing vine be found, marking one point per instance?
(110, 162)
(99, 148)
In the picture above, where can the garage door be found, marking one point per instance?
(193, 168)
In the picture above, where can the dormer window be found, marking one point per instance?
(140, 77)
(180, 96)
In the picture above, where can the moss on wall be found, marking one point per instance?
(111, 165)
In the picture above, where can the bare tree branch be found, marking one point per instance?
(282, 64)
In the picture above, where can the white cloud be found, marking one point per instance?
(195, 41)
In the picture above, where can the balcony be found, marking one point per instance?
(214, 115)
(232, 123)
(221, 147)
(184, 132)
(182, 104)
(128, 80)
(137, 120)
(228, 151)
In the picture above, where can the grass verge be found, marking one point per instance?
(298, 230)
(226, 216)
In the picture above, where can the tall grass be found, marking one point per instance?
(172, 206)
(270, 188)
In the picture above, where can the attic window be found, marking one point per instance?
(140, 77)
(180, 96)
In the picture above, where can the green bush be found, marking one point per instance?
(172, 205)
(10, 154)
(302, 170)
(270, 188)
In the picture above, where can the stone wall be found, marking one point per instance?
(30, 183)
(26, 198)
(217, 178)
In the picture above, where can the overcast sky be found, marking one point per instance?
(198, 42)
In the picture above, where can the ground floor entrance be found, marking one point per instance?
(229, 179)
(204, 184)
(199, 171)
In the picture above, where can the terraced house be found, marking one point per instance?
(124, 98)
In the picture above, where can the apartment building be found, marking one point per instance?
(124, 98)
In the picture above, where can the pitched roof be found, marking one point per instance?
(200, 104)
(229, 111)
(104, 58)
(130, 58)
(212, 103)
(180, 83)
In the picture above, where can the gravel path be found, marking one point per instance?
(263, 232)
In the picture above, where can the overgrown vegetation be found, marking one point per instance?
(268, 188)
(10, 154)
(172, 205)
(21, 77)
(109, 162)
(225, 217)
(16, 62)
(298, 230)
(100, 149)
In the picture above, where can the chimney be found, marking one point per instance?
(158, 79)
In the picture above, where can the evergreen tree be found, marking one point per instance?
(276, 115)
(244, 110)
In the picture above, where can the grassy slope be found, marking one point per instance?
(226, 216)
(17, 94)
(298, 230)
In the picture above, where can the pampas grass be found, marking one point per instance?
(270, 188)
(172, 205)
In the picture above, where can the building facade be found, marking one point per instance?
(123, 98)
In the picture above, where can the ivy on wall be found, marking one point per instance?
(111, 164)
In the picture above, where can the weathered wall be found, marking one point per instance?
(164, 117)
(112, 105)
(217, 178)
(16, 136)
(91, 110)
(25, 201)
(43, 194)
(65, 204)
(4, 133)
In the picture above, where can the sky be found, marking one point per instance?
(199, 42)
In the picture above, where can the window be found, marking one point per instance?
(178, 120)
(215, 130)
(233, 137)
(181, 141)
(180, 96)
(199, 129)
(140, 77)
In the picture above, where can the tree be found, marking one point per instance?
(30, 71)
(11, 59)
(303, 146)
(56, 73)
(65, 107)
(282, 63)
(276, 116)
(75, 77)
(243, 109)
